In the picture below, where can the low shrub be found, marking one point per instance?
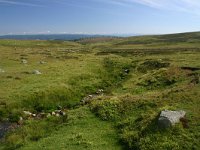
(161, 78)
(152, 65)
(106, 109)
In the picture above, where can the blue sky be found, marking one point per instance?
(99, 16)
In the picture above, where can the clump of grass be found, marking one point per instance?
(152, 65)
(162, 78)
(136, 122)
(107, 109)
(49, 99)
(33, 130)
(115, 72)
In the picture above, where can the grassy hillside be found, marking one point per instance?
(139, 77)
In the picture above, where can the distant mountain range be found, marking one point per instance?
(52, 36)
(60, 36)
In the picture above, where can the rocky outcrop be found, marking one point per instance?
(169, 118)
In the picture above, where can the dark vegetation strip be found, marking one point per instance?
(147, 51)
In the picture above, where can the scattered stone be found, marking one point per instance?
(42, 62)
(99, 91)
(169, 118)
(36, 72)
(27, 113)
(57, 111)
(62, 113)
(53, 113)
(57, 115)
(1, 70)
(48, 115)
(24, 61)
(20, 119)
(41, 115)
(34, 115)
(90, 96)
(127, 71)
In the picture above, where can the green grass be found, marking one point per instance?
(82, 131)
(125, 117)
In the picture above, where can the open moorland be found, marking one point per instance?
(100, 93)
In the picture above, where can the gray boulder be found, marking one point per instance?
(169, 118)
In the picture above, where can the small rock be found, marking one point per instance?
(169, 118)
(20, 118)
(127, 71)
(1, 70)
(34, 115)
(90, 96)
(20, 121)
(99, 91)
(62, 113)
(53, 113)
(24, 61)
(41, 115)
(42, 62)
(27, 113)
(36, 72)
(48, 115)
(57, 115)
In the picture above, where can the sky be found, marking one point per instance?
(99, 16)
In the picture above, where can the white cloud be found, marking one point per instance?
(187, 6)
(12, 2)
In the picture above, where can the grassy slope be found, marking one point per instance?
(84, 131)
(132, 104)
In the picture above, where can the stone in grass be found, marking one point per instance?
(36, 72)
(28, 113)
(169, 118)
(42, 62)
(24, 61)
(1, 70)
(48, 115)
